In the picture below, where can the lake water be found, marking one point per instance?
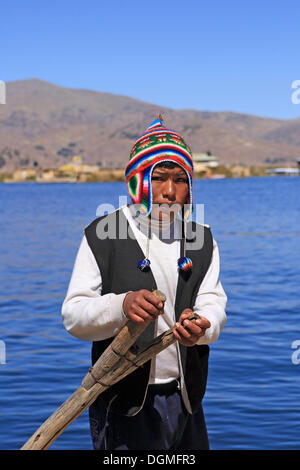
(252, 398)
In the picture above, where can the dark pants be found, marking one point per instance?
(162, 424)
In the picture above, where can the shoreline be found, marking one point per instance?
(74, 181)
(117, 175)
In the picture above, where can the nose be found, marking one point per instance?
(169, 190)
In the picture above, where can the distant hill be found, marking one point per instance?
(46, 125)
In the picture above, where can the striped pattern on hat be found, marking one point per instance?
(156, 145)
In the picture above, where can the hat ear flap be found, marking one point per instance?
(134, 186)
(188, 205)
(146, 192)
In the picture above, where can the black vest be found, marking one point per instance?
(117, 258)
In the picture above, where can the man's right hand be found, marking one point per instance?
(142, 305)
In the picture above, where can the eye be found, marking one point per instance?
(157, 178)
(182, 179)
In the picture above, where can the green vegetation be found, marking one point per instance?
(222, 170)
(109, 176)
(257, 171)
(4, 176)
(65, 174)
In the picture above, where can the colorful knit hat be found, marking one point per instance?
(156, 145)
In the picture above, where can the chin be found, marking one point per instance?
(163, 216)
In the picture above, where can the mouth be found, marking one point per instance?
(165, 206)
(165, 210)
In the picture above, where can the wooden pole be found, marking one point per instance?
(99, 379)
(117, 348)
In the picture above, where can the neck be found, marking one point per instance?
(164, 229)
(160, 227)
(159, 223)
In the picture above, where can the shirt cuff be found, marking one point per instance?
(116, 306)
(216, 325)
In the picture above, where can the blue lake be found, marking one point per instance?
(252, 397)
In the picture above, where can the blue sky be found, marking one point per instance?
(188, 54)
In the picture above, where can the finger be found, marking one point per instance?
(189, 331)
(185, 341)
(135, 318)
(203, 322)
(185, 314)
(150, 308)
(178, 336)
(139, 311)
(152, 298)
(182, 331)
(187, 311)
(192, 327)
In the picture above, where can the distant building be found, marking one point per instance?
(76, 167)
(240, 171)
(204, 159)
(23, 174)
(45, 175)
(283, 171)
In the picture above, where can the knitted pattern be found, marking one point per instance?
(156, 145)
(184, 263)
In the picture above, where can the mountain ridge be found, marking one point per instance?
(44, 124)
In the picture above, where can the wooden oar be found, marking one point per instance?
(108, 370)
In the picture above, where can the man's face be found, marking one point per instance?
(170, 187)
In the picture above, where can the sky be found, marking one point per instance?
(217, 56)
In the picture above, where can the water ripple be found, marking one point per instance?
(253, 385)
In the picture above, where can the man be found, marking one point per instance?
(158, 406)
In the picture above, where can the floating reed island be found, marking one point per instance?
(78, 172)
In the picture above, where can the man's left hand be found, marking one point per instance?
(189, 334)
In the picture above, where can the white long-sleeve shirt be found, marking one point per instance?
(90, 316)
